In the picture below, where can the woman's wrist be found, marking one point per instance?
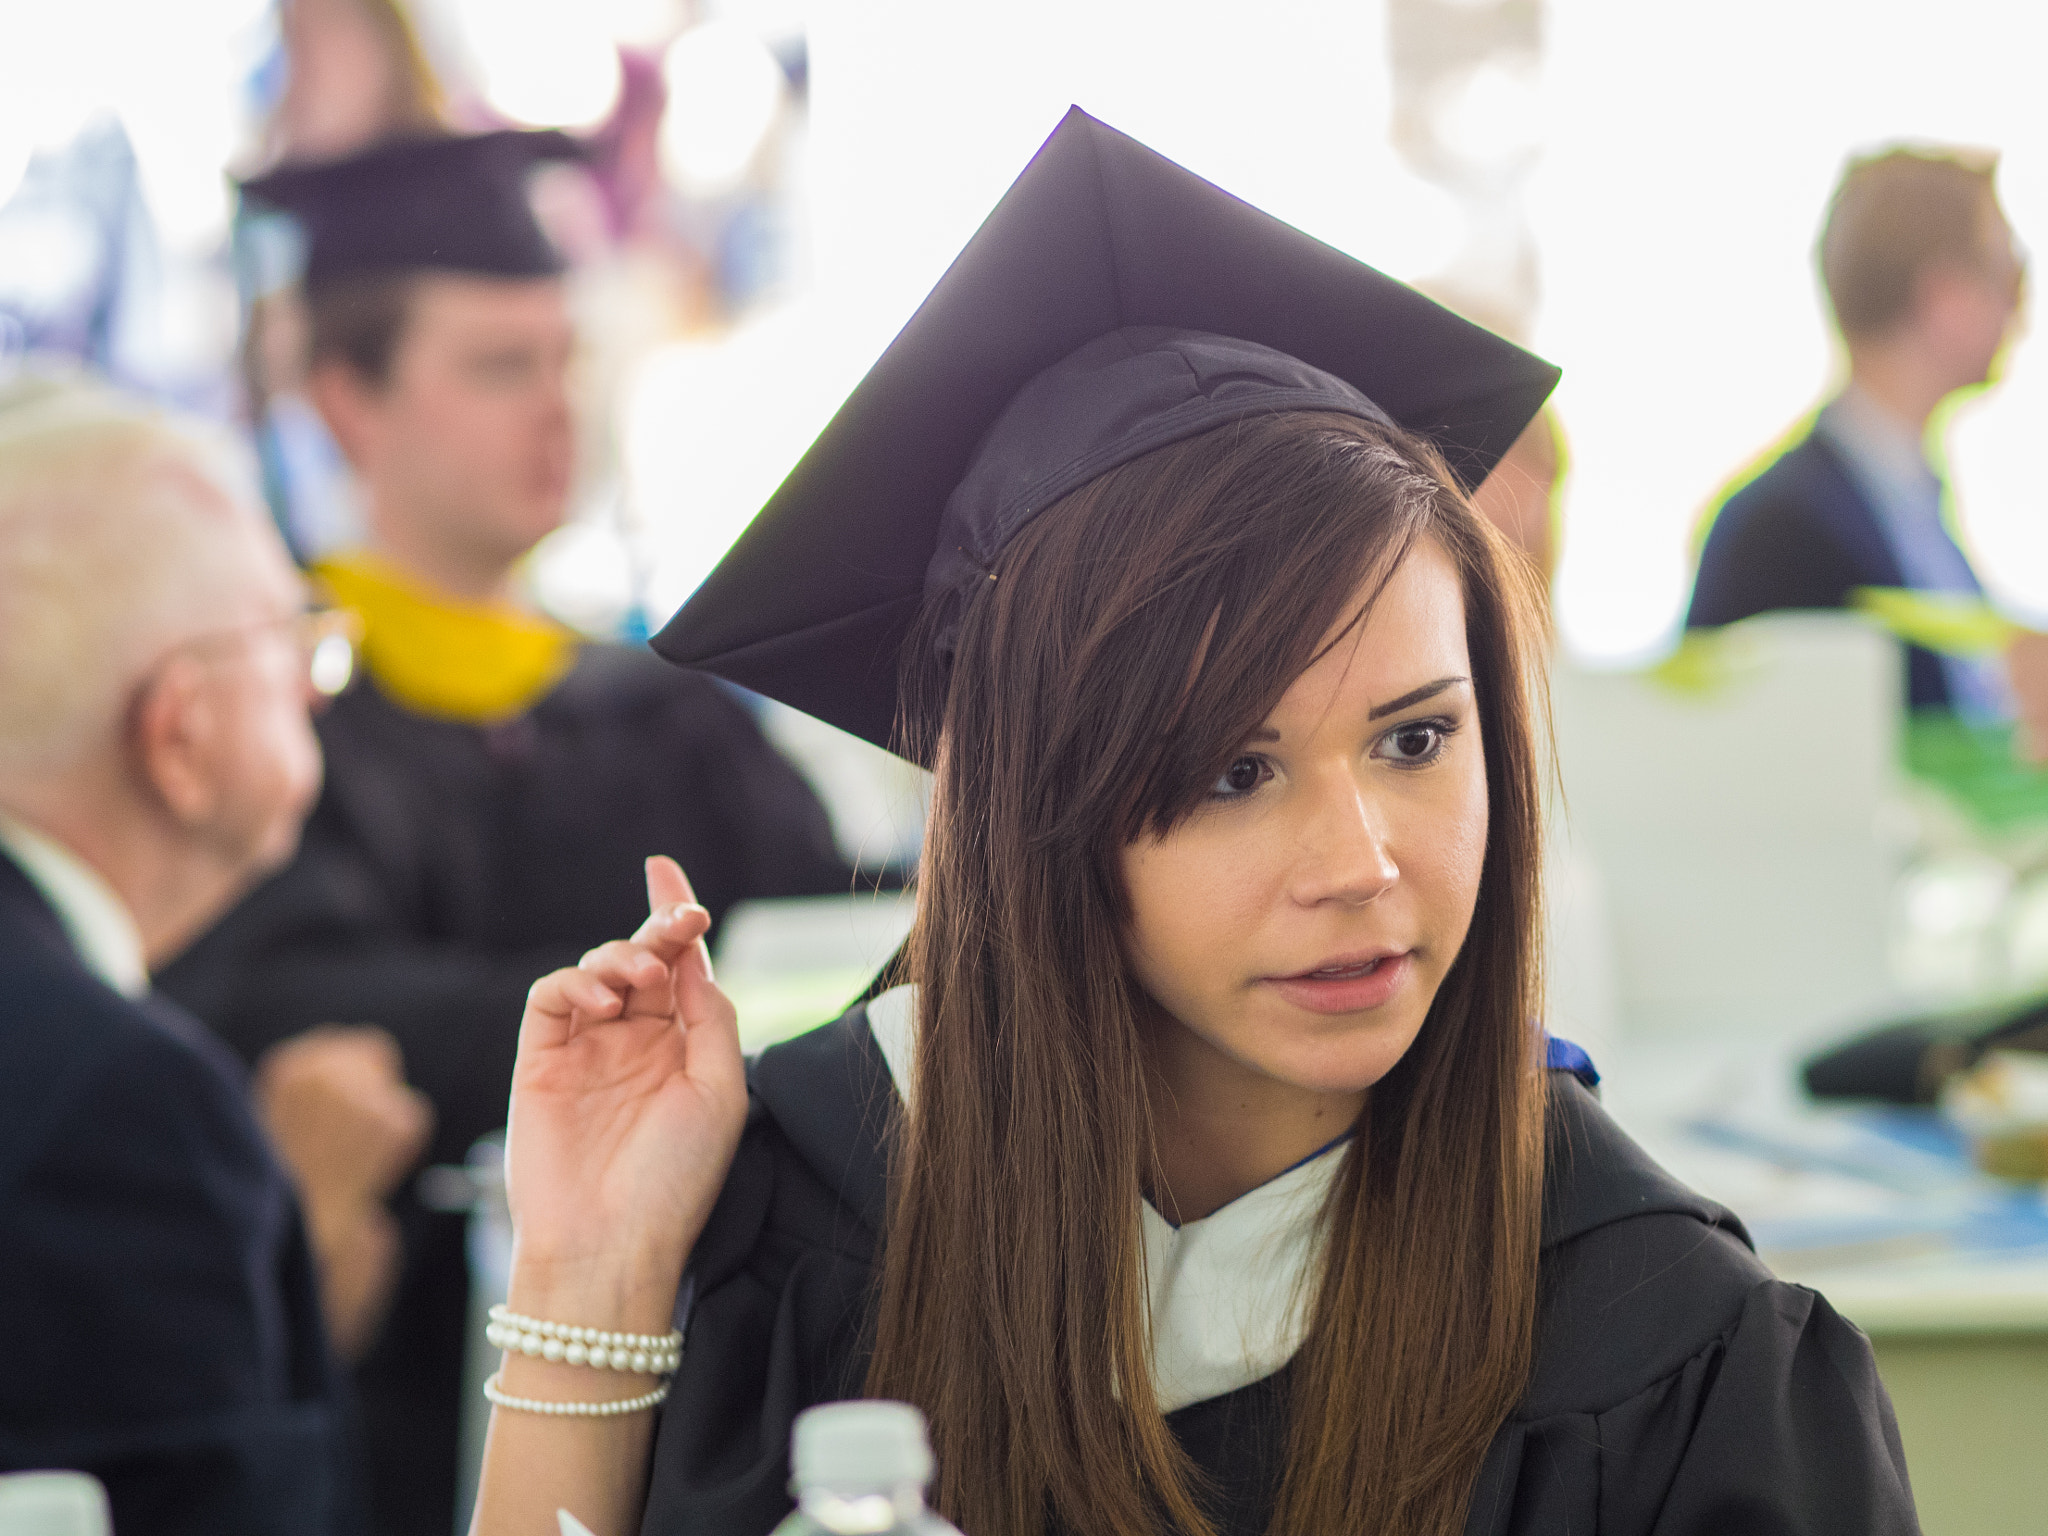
(623, 1293)
(616, 1293)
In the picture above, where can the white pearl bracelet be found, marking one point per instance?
(577, 1410)
(649, 1353)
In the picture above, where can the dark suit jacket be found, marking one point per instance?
(163, 1328)
(1801, 535)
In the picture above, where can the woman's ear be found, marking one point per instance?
(176, 733)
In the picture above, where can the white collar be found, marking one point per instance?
(100, 927)
(1231, 1293)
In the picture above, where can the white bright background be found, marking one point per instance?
(1687, 154)
(174, 73)
(1688, 157)
(923, 111)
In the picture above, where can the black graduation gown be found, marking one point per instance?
(1802, 536)
(446, 867)
(1679, 1389)
(163, 1330)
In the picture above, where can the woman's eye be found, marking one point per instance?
(1240, 778)
(1419, 741)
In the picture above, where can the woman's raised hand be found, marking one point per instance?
(627, 1102)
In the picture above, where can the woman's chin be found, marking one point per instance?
(1352, 1062)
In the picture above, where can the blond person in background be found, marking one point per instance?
(156, 758)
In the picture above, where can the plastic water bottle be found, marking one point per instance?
(861, 1470)
(53, 1504)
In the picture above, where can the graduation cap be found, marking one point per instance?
(451, 202)
(1111, 304)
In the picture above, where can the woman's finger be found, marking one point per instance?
(553, 1002)
(550, 995)
(711, 1033)
(670, 930)
(711, 1041)
(592, 994)
(626, 964)
(667, 885)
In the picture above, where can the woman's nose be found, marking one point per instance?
(1344, 850)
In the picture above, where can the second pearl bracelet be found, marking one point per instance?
(648, 1353)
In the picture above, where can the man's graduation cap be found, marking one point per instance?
(447, 202)
(1200, 310)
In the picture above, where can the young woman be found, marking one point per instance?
(1203, 1172)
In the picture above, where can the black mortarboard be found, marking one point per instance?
(448, 202)
(1169, 306)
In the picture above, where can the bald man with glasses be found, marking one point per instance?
(162, 1273)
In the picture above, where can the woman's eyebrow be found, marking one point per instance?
(1414, 696)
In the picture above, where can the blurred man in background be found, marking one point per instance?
(494, 783)
(1925, 281)
(155, 759)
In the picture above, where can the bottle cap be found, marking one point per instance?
(860, 1445)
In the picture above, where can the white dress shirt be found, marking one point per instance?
(99, 925)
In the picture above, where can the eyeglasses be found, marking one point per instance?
(326, 639)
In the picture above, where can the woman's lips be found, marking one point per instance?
(1346, 988)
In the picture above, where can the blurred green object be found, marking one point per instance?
(1706, 663)
(1973, 766)
(792, 963)
(1976, 768)
(1952, 623)
(774, 1008)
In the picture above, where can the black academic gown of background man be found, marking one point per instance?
(446, 868)
(1678, 1389)
(162, 1325)
(1801, 535)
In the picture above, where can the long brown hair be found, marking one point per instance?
(1132, 638)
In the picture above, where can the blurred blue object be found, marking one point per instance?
(85, 280)
(80, 270)
(1561, 1055)
(1933, 1201)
